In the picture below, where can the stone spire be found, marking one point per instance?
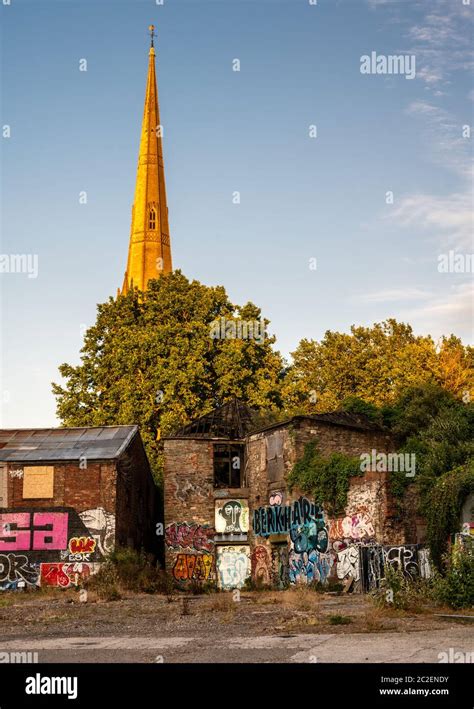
(149, 252)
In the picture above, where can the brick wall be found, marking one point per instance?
(370, 517)
(189, 509)
(82, 489)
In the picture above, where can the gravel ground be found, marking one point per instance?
(290, 626)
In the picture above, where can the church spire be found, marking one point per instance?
(149, 252)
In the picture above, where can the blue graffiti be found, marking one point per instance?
(302, 520)
(308, 567)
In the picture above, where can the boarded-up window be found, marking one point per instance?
(38, 482)
(3, 486)
(275, 463)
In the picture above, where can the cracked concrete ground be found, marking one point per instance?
(265, 627)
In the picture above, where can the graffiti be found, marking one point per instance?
(309, 567)
(16, 473)
(260, 562)
(281, 564)
(188, 489)
(101, 525)
(65, 575)
(356, 527)
(424, 563)
(17, 571)
(181, 535)
(232, 516)
(468, 528)
(404, 559)
(302, 519)
(193, 566)
(18, 536)
(233, 566)
(275, 498)
(348, 564)
(82, 545)
(373, 566)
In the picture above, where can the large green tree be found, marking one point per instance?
(150, 359)
(374, 364)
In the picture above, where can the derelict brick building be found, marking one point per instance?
(230, 517)
(68, 497)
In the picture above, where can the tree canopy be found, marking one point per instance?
(375, 364)
(154, 359)
(150, 360)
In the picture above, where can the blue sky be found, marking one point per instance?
(225, 131)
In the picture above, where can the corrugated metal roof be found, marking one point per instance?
(51, 444)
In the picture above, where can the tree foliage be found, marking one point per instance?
(438, 428)
(375, 364)
(443, 504)
(150, 360)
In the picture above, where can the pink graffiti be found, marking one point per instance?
(16, 534)
(358, 526)
(189, 536)
(19, 536)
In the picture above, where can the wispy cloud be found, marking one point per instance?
(450, 310)
(446, 313)
(394, 295)
(447, 219)
(437, 34)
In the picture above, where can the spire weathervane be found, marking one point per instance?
(152, 33)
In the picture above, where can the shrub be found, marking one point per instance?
(105, 582)
(130, 570)
(403, 592)
(456, 588)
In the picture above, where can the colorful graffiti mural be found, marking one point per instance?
(23, 531)
(356, 527)
(232, 516)
(66, 575)
(16, 571)
(261, 566)
(52, 547)
(233, 566)
(309, 567)
(197, 567)
(181, 535)
(82, 545)
(302, 520)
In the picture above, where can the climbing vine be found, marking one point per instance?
(326, 478)
(442, 505)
